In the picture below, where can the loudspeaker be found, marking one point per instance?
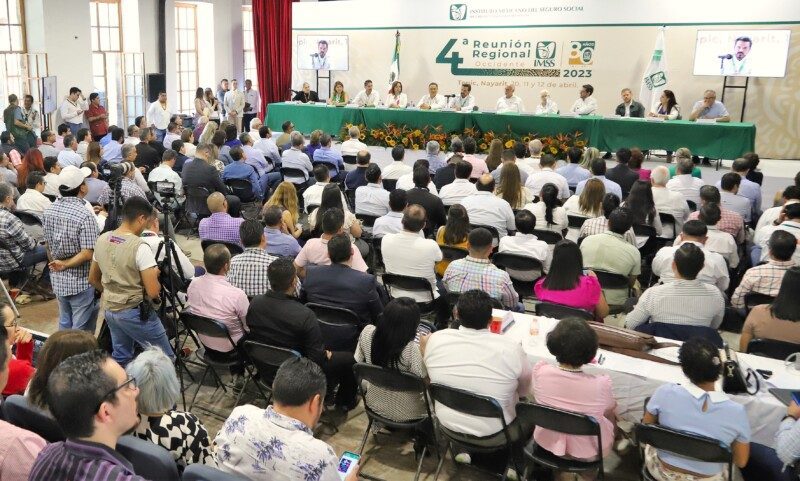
(156, 82)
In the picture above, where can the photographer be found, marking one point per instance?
(128, 187)
(124, 270)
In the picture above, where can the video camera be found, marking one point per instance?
(115, 171)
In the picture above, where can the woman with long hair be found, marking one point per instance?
(332, 197)
(94, 153)
(590, 202)
(187, 137)
(779, 320)
(208, 133)
(339, 97)
(213, 105)
(201, 107)
(548, 211)
(589, 155)
(568, 285)
(59, 346)
(32, 161)
(453, 233)
(493, 156)
(396, 98)
(667, 107)
(510, 187)
(285, 197)
(642, 206)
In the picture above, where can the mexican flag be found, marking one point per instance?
(394, 69)
(655, 77)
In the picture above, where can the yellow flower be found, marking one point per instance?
(418, 132)
(483, 146)
(415, 146)
(405, 141)
(526, 139)
(509, 144)
(391, 142)
(553, 150)
(362, 136)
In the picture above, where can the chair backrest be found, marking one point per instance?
(349, 159)
(560, 311)
(576, 221)
(651, 245)
(683, 443)
(692, 205)
(350, 195)
(18, 411)
(366, 219)
(668, 219)
(407, 283)
(390, 184)
(754, 299)
(467, 402)
(548, 236)
(196, 199)
(772, 348)
(609, 280)
(559, 420)
(201, 472)
(493, 230)
(149, 460)
(205, 326)
(517, 262)
(27, 218)
(234, 249)
(682, 333)
(312, 207)
(451, 253)
(389, 379)
(340, 327)
(294, 173)
(241, 188)
(267, 358)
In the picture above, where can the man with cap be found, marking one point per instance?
(70, 230)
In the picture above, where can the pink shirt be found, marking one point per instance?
(644, 174)
(18, 451)
(214, 297)
(585, 295)
(478, 166)
(578, 392)
(315, 251)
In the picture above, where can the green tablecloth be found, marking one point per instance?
(723, 140)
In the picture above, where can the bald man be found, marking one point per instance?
(220, 226)
(486, 209)
(509, 103)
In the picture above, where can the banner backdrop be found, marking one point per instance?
(556, 46)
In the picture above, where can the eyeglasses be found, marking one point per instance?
(13, 324)
(130, 383)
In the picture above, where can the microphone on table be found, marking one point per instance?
(725, 57)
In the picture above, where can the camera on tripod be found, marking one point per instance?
(165, 188)
(113, 172)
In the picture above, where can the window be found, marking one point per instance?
(186, 51)
(13, 61)
(107, 75)
(134, 87)
(249, 45)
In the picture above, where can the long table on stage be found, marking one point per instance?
(716, 140)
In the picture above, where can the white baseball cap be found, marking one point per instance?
(72, 177)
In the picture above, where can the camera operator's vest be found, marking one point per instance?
(122, 281)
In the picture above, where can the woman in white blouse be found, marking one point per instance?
(396, 98)
(546, 106)
(590, 202)
(548, 211)
(667, 108)
(201, 107)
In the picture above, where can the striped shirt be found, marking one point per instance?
(74, 460)
(764, 279)
(682, 302)
(470, 273)
(598, 225)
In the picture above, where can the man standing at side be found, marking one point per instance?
(234, 105)
(159, 114)
(252, 105)
(97, 117)
(15, 123)
(73, 108)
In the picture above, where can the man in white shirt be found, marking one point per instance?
(525, 243)
(668, 201)
(598, 168)
(84, 139)
(133, 135)
(473, 359)
(352, 146)
(509, 102)
(486, 209)
(320, 60)
(392, 222)
(515, 156)
(460, 188)
(464, 102)
(586, 104)
(547, 175)
(234, 104)
(165, 173)
(70, 156)
(30, 115)
(397, 168)
(252, 104)
(372, 199)
(267, 146)
(684, 183)
(715, 270)
(51, 181)
(313, 194)
(718, 241)
(367, 97)
(406, 181)
(731, 200)
(73, 108)
(791, 195)
(531, 164)
(158, 114)
(433, 100)
(789, 222)
(33, 200)
(173, 134)
(295, 158)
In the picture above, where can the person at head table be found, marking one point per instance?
(339, 97)
(710, 108)
(509, 102)
(586, 104)
(629, 107)
(367, 97)
(306, 95)
(396, 98)
(465, 101)
(546, 105)
(433, 100)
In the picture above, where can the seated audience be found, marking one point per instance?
(461, 187)
(279, 241)
(285, 199)
(589, 203)
(635, 164)
(753, 174)
(729, 222)
(94, 403)
(52, 170)
(239, 169)
(696, 407)
(392, 222)
(747, 188)
(568, 285)
(598, 168)
(522, 157)
(731, 200)
(790, 195)
(683, 154)
(420, 195)
(509, 157)
(565, 386)
(573, 171)
(357, 177)
(372, 199)
(128, 186)
(165, 172)
(668, 201)
(220, 226)
(59, 346)
(684, 182)
(789, 221)
(338, 285)
(20, 251)
(283, 428)
(406, 181)
(778, 320)
(598, 225)
(621, 173)
(179, 432)
(332, 199)
(714, 270)
(397, 168)
(313, 194)
(330, 158)
(295, 158)
(94, 183)
(248, 270)
(446, 174)
(32, 200)
(476, 271)
(266, 144)
(643, 208)
(353, 145)
(212, 296)
(315, 251)
(549, 214)
(686, 300)
(485, 209)
(766, 278)
(147, 155)
(151, 237)
(478, 165)
(531, 159)
(718, 241)
(70, 155)
(435, 161)
(453, 234)
(537, 180)
(525, 243)
(253, 157)
(511, 189)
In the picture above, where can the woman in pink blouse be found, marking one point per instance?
(635, 164)
(566, 386)
(570, 285)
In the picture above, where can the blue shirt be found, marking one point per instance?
(611, 186)
(240, 170)
(105, 140)
(355, 178)
(281, 244)
(681, 407)
(435, 162)
(331, 158)
(752, 191)
(112, 153)
(715, 111)
(574, 173)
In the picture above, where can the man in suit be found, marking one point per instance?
(629, 107)
(621, 173)
(200, 173)
(279, 319)
(421, 195)
(340, 286)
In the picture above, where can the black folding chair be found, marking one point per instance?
(149, 460)
(27, 218)
(201, 472)
(340, 327)
(754, 299)
(650, 247)
(609, 280)
(565, 422)
(350, 195)
(366, 219)
(450, 253)
(390, 184)
(196, 197)
(311, 208)
(560, 311)
(475, 405)
(18, 411)
(515, 264)
(234, 249)
(395, 382)
(668, 220)
(576, 221)
(410, 283)
(692, 205)
(267, 359)
(349, 159)
(548, 236)
(243, 189)
(772, 348)
(493, 230)
(684, 444)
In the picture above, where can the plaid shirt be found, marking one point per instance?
(764, 279)
(729, 221)
(128, 189)
(598, 225)
(249, 271)
(14, 242)
(68, 229)
(221, 227)
(470, 273)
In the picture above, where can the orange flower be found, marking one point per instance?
(362, 136)
(483, 146)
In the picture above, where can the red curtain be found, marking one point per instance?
(272, 27)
